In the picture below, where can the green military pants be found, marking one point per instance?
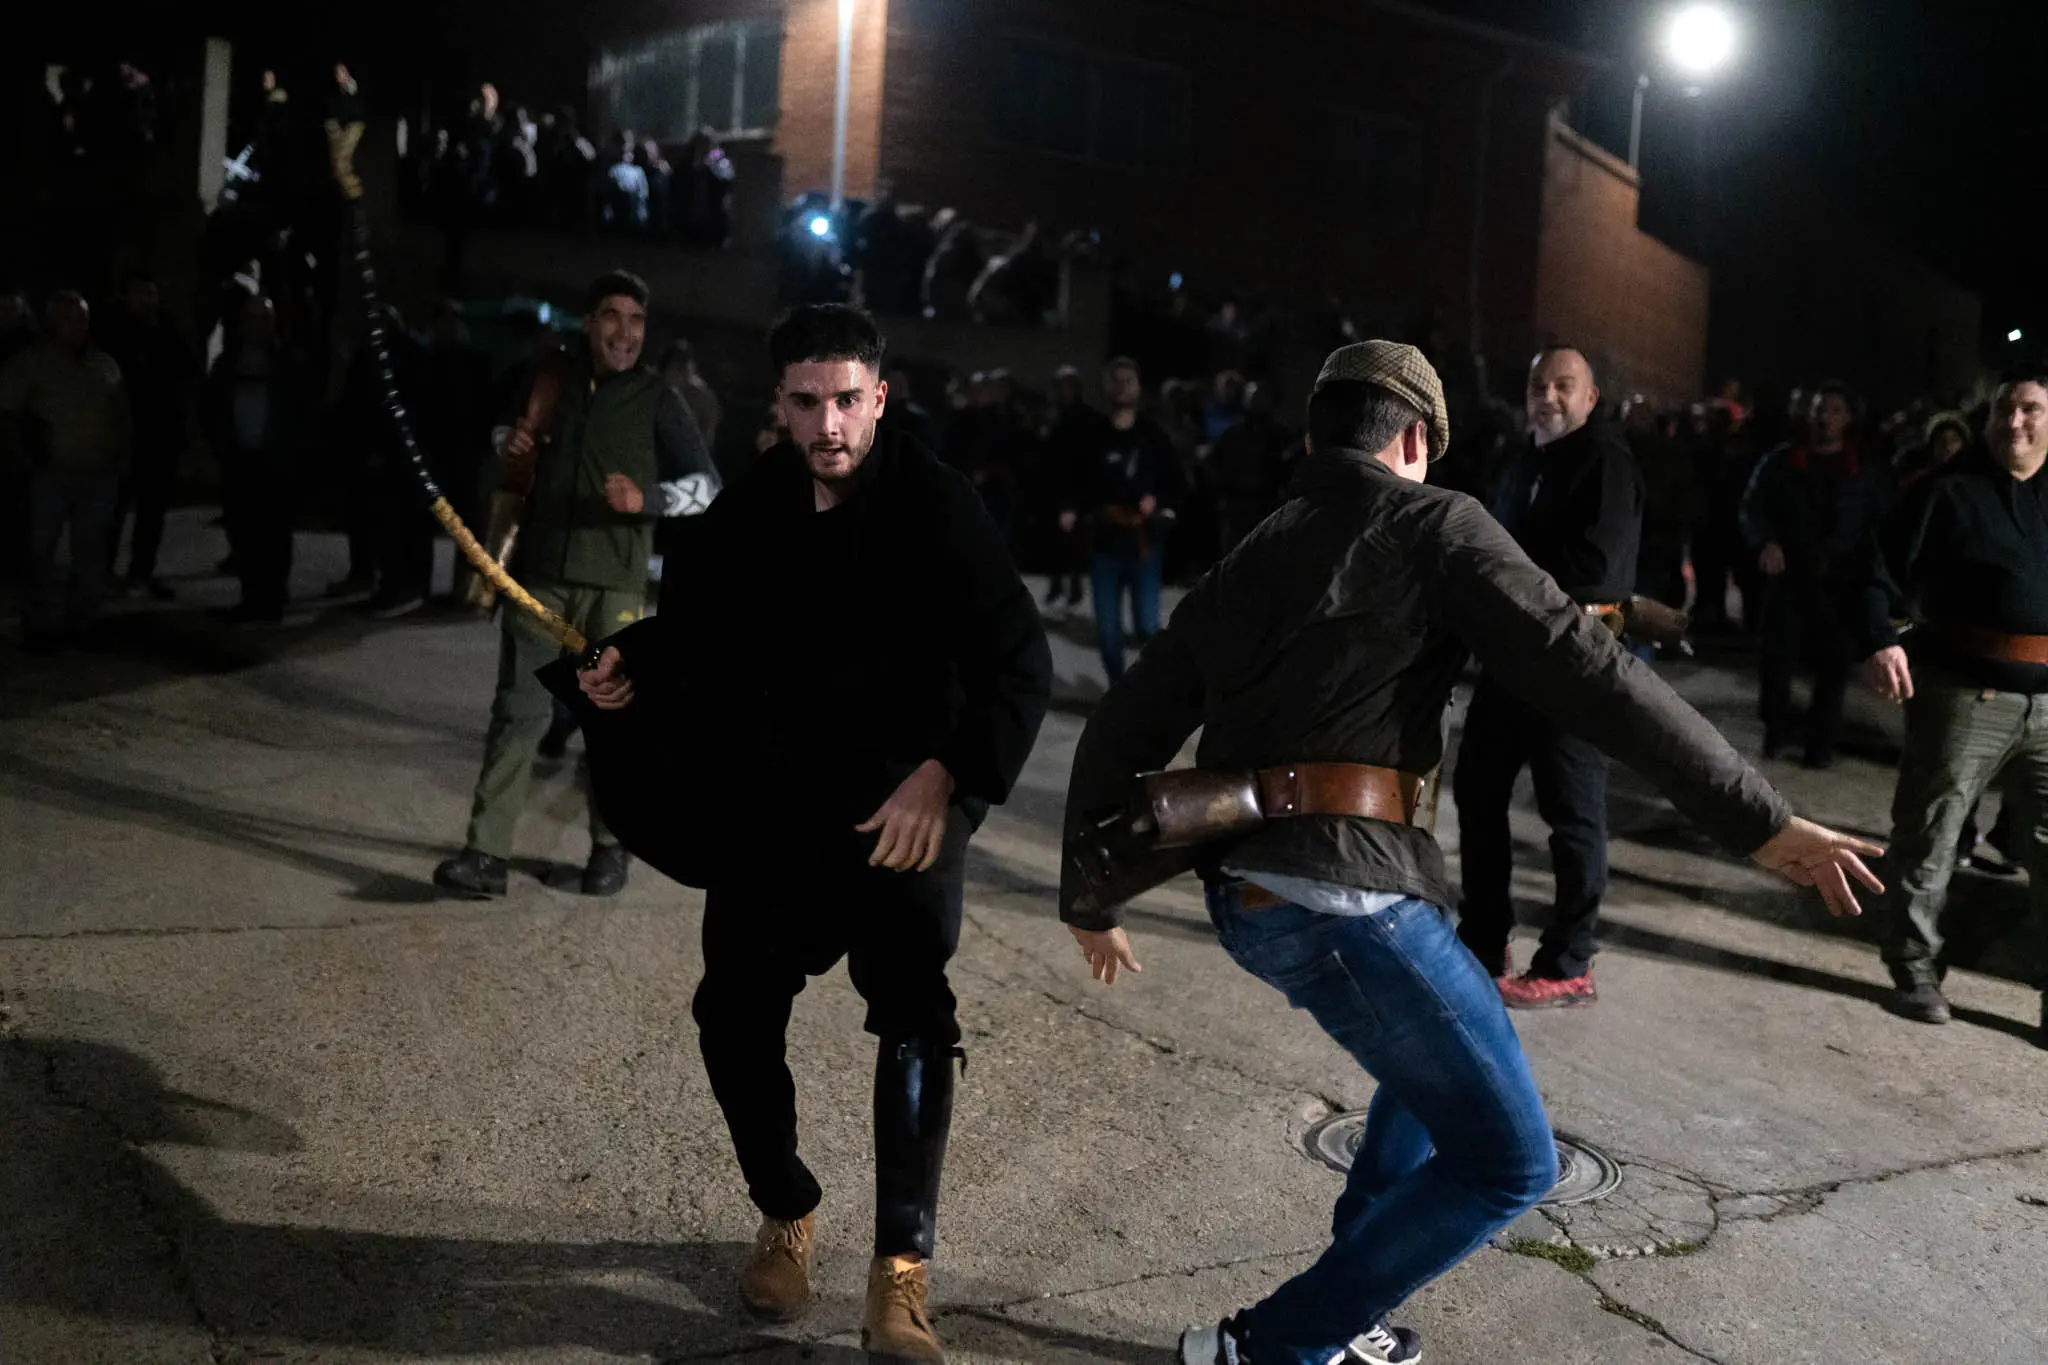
(522, 709)
(1959, 741)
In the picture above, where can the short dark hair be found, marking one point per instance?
(826, 331)
(2026, 372)
(1839, 388)
(678, 352)
(1350, 414)
(1124, 362)
(616, 283)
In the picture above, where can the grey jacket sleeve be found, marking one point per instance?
(1536, 643)
(689, 481)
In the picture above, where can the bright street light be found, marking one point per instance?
(2013, 335)
(1700, 40)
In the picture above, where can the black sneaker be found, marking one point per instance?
(1921, 1001)
(1987, 858)
(1384, 1345)
(555, 742)
(1227, 1343)
(605, 873)
(382, 608)
(470, 873)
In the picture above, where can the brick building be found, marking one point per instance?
(1405, 163)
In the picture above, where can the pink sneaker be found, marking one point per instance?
(1531, 992)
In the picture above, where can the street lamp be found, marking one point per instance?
(1698, 41)
(2015, 335)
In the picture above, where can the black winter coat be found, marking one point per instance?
(804, 663)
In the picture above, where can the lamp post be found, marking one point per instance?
(841, 99)
(1698, 41)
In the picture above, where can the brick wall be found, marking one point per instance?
(810, 73)
(1253, 212)
(1635, 306)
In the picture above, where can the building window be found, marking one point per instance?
(1376, 165)
(1130, 115)
(724, 77)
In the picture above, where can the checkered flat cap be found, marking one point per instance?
(1402, 371)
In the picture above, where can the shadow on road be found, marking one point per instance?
(96, 1227)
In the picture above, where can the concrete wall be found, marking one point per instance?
(1635, 306)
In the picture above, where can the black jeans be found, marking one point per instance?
(404, 536)
(1501, 736)
(151, 486)
(763, 939)
(1800, 619)
(261, 503)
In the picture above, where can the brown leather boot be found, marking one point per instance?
(898, 1326)
(776, 1285)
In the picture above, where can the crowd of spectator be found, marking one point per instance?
(512, 167)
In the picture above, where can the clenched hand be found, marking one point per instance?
(606, 684)
(623, 495)
(912, 820)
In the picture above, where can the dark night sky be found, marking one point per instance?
(1928, 116)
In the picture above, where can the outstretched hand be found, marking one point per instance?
(1807, 854)
(1108, 951)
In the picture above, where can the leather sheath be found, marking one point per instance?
(1173, 817)
(1657, 623)
(1995, 644)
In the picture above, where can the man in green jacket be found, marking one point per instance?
(619, 452)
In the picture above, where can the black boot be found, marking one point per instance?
(913, 1114)
(473, 874)
(605, 873)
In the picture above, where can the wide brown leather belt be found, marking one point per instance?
(1995, 644)
(1339, 789)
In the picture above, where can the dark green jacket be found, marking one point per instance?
(571, 535)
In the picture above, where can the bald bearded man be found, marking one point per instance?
(1574, 501)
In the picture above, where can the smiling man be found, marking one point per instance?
(879, 674)
(586, 476)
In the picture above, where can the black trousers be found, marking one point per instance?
(1502, 735)
(764, 939)
(150, 486)
(261, 501)
(1800, 621)
(404, 532)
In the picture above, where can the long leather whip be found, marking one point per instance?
(341, 146)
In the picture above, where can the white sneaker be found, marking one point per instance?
(1222, 1344)
(1383, 1345)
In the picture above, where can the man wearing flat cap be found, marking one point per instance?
(1318, 658)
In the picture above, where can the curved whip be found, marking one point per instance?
(341, 145)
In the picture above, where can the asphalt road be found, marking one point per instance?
(264, 1096)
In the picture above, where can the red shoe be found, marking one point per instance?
(1531, 992)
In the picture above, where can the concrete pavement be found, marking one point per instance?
(264, 1096)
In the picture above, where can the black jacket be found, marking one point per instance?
(1336, 631)
(1576, 507)
(1820, 509)
(834, 652)
(1968, 546)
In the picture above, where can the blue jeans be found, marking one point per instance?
(1456, 1143)
(1113, 575)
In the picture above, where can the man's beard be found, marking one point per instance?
(855, 457)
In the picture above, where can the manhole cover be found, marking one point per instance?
(1584, 1172)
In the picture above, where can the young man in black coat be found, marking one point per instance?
(877, 673)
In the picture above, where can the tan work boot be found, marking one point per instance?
(776, 1284)
(898, 1327)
